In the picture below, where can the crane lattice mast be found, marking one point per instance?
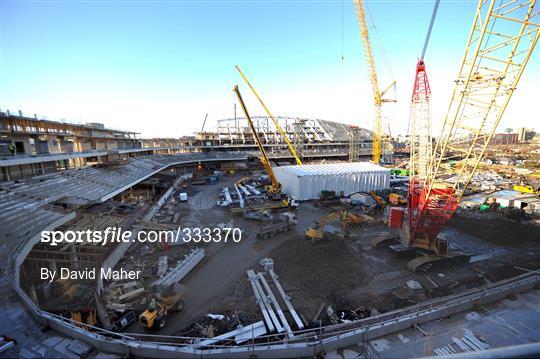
(500, 44)
(377, 140)
(420, 127)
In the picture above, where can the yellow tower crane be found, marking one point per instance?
(278, 127)
(372, 70)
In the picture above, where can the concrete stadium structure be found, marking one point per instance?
(46, 202)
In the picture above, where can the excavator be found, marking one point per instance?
(347, 220)
(396, 199)
(381, 204)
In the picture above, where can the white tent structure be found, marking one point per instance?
(307, 181)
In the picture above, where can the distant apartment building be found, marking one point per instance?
(504, 138)
(525, 134)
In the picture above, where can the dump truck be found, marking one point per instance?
(160, 306)
(284, 222)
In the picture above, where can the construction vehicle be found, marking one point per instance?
(400, 172)
(346, 219)
(285, 222)
(381, 204)
(258, 215)
(396, 199)
(160, 306)
(278, 127)
(274, 188)
(377, 142)
(495, 58)
(523, 188)
(289, 203)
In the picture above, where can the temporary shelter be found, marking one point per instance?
(306, 182)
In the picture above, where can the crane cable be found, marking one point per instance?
(342, 31)
(428, 35)
(379, 44)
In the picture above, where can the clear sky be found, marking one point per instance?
(158, 66)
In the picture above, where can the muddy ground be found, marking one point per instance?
(346, 273)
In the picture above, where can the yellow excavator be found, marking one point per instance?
(159, 307)
(396, 199)
(347, 220)
(381, 204)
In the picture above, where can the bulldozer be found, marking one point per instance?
(160, 306)
(347, 220)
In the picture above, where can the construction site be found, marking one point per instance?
(276, 236)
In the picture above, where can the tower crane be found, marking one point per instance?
(378, 100)
(276, 124)
(502, 38)
(275, 187)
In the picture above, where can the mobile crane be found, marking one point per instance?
(501, 41)
(274, 189)
(278, 127)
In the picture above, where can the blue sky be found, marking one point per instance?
(158, 66)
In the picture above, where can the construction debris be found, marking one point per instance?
(182, 268)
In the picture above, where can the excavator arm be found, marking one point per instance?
(345, 218)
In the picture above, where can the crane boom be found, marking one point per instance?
(421, 144)
(373, 78)
(275, 186)
(500, 44)
(278, 127)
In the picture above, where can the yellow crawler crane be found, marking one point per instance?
(278, 127)
(275, 187)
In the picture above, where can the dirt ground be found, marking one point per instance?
(346, 273)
